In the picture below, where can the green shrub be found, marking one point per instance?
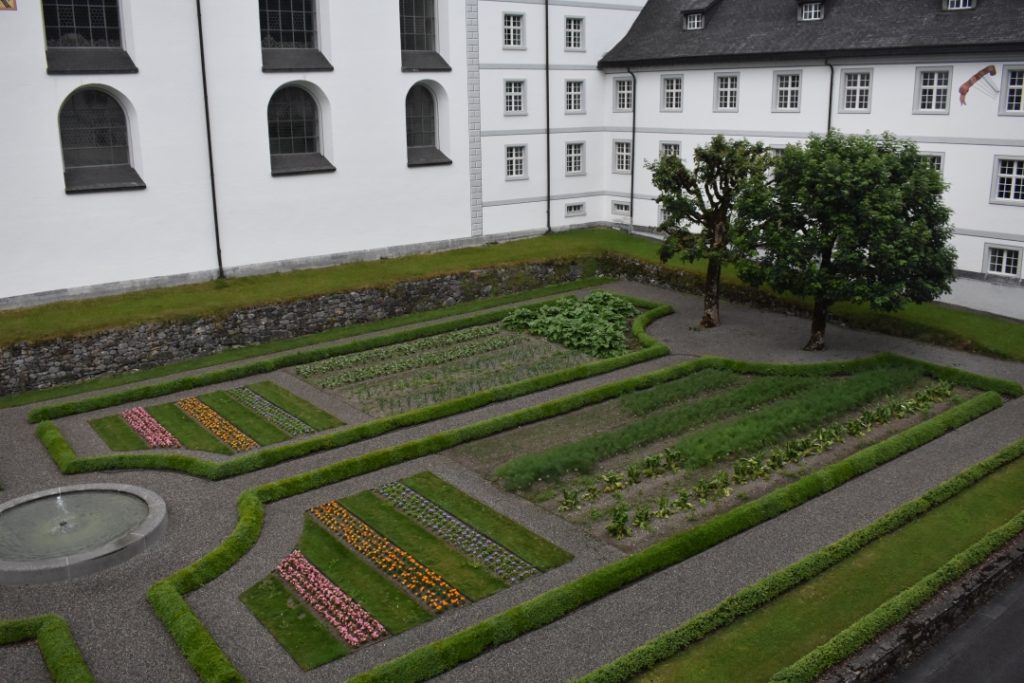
(595, 325)
(56, 643)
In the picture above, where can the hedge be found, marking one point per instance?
(56, 644)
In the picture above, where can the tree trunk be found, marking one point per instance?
(818, 319)
(711, 286)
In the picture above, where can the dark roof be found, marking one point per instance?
(768, 29)
(687, 6)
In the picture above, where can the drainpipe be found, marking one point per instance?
(831, 91)
(547, 110)
(632, 151)
(209, 140)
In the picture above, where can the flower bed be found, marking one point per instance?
(152, 432)
(423, 582)
(450, 528)
(209, 418)
(353, 623)
(274, 414)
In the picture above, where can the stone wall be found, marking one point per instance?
(27, 366)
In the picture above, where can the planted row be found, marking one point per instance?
(214, 423)
(152, 432)
(272, 413)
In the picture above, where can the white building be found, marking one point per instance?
(351, 130)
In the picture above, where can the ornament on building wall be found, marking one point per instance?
(9, 4)
(987, 87)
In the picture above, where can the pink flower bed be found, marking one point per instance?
(152, 432)
(353, 623)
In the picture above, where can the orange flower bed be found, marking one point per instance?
(423, 582)
(209, 418)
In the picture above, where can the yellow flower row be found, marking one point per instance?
(209, 418)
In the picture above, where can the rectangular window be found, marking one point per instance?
(574, 97)
(671, 93)
(932, 91)
(694, 21)
(1013, 86)
(812, 11)
(515, 97)
(68, 23)
(727, 92)
(670, 149)
(288, 24)
(575, 209)
(1003, 261)
(856, 91)
(1009, 180)
(787, 92)
(515, 162)
(620, 208)
(959, 4)
(623, 161)
(574, 158)
(417, 24)
(935, 160)
(574, 33)
(623, 94)
(514, 31)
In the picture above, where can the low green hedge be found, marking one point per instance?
(56, 643)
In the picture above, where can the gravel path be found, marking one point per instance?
(108, 613)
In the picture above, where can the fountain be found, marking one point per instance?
(74, 531)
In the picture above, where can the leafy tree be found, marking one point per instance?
(703, 197)
(848, 218)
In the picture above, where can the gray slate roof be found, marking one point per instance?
(752, 30)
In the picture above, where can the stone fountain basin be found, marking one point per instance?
(122, 547)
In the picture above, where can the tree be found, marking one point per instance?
(848, 218)
(704, 198)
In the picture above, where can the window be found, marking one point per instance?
(84, 36)
(623, 161)
(575, 209)
(856, 91)
(1009, 181)
(574, 33)
(670, 149)
(515, 162)
(671, 93)
(812, 11)
(620, 208)
(934, 160)
(623, 94)
(288, 35)
(727, 92)
(959, 4)
(514, 39)
(574, 97)
(1013, 86)
(515, 98)
(418, 31)
(787, 92)
(293, 119)
(694, 21)
(1002, 261)
(932, 91)
(94, 141)
(574, 158)
(422, 148)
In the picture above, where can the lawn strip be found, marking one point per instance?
(390, 605)
(650, 400)
(190, 433)
(537, 551)
(116, 433)
(474, 582)
(56, 644)
(306, 638)
(247, 421)
(300, 408)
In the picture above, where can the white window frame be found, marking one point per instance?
(582, 158)
(919, 91)
(665, 92)
(510, 158)
(511, 96)
(956, 5)
(811, 11)
(1004, 93)
(625, 209)
(616, 157)
(513, 37)
(987, 265)
(940, 165)
(844, 88)
(570, 32)
(1018, 180)
(694, 21)
(777, 88)
(617, 93)
(582, 211)
(582, 96)
(664, 144)
(717, 102)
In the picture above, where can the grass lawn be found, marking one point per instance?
(254, 426)
(188, 432)
(532, 548)
(775, 636)
(116, 433)
(472, 580)
(304, 410)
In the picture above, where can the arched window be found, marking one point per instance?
(288, 32)
(418, 32)
(84, 36)
(293, 119)
(94, 141)
(421, 128)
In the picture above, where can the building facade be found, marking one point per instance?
(155, 142)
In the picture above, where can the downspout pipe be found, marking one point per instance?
(632, 151)
(831, 92)
(547, 110)
(209, 140)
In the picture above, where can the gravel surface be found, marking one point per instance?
(123, 641)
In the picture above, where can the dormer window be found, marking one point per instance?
(812, 11)
(694, 21)
(959, 4)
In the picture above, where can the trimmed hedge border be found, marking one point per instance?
(761, 593)
(56, 643)
(69, 462)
